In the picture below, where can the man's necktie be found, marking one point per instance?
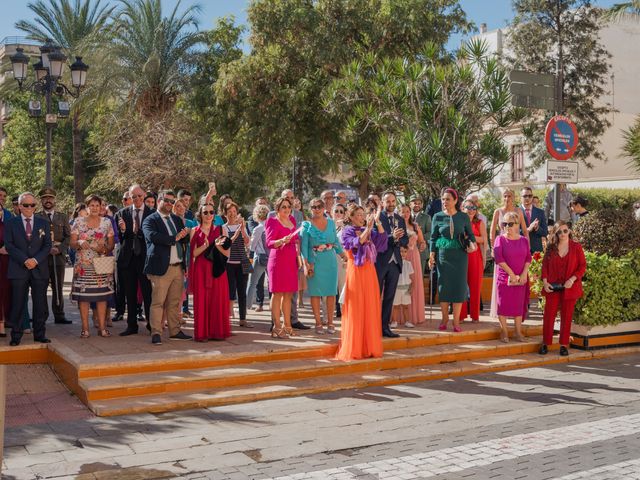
(173, 231)
(50, 217)
(137, 219)
(28, 229)
(528, 213)
(137, 247)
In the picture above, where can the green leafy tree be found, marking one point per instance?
(272, 98)
(439, 122)
(544, 33)
(152, 52)
(79, 27)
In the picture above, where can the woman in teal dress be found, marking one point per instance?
(319, 245)
(447, 252)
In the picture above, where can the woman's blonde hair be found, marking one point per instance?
(509, 191)
(512, 217)
(260, 213)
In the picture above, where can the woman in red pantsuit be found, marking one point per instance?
(563, 267)
(476, 265)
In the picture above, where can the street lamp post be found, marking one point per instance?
(48, 74)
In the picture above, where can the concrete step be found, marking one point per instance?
(170, 401)
(197, 379)
(200, 360)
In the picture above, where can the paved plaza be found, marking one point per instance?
(569, 421)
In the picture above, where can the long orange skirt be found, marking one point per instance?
(361, 332)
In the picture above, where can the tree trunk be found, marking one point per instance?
(78, 167)
(363, 188)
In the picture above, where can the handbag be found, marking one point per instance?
(263, 259)
(104, 265)
(466, 243)
(556, 287)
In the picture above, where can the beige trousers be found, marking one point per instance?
(166, 291)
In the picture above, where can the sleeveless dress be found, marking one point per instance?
(417, 288)
(361, 329)
(210, 294)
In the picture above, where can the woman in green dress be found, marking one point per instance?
(319, 246)
(448, 230)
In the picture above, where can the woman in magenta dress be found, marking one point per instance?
(209, 284)
(513, 257)
(282, 268)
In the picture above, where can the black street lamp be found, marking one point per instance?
(48, 72)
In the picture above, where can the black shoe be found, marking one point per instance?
(117, 318)
(180, 336)
(543, 350)
(14, 343)
(389, 334)
(563, 351)
(42, 340)
(156, 339)
(62, 321)
(140, 318)
(128, 332)
(299, 326)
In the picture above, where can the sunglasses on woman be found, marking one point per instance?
(207, 212)
(564, 230)
(340, 212)
(508, 224)
(470, 207)
(316, 207)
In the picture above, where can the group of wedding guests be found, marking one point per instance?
(368, 259)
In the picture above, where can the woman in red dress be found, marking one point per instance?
(209, 284)
(563, 267)
(475, 268)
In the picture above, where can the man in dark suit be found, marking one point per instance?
(28, 242)
(535, 219)
(389, 262)
(131, 257)
(167, 241)
(60, 236)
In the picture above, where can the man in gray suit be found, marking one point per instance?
(60, 236)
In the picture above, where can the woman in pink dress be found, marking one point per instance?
(209, 284)
(282, 268)
(416, 245)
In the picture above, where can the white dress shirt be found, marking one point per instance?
(174, 258)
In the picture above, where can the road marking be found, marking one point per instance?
(456, 459)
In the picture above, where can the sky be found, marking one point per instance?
(495, 13)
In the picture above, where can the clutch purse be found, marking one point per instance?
(556, 287)
(104, 265)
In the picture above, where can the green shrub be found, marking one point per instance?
(604, 198)
(613, 232)
(611, 290)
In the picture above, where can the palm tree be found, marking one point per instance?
(78, 27)
(152, 51)
(624, 10)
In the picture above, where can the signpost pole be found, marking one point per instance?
(559, 106)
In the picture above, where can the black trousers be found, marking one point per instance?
(388, 276)
(56, 281)
(133, 274)
(238, 287)
(121, 293)
(19, 290)
(260, 289)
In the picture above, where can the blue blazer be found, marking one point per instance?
(159, 242)
(393, 246)
(20, 249)
(535, 236)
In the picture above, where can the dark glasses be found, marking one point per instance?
(169, 200)
(564, 230)
(316, 207)
(207, 212)
(340, 211)
(29, 205)
(470, 208)
(527, 196)
(508, 224)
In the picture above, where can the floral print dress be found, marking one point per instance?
(88, 286)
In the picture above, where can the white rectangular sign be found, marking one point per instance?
(559, 171)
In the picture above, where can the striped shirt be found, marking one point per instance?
(238, 251)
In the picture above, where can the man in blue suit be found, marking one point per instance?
(389, 262)
(28, 242)
(535, 219)
(167, 240)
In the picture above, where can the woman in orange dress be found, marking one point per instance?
(361, 332)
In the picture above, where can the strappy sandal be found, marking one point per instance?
(85, 334)
(279, 333)
(289, 331)
(104, 333)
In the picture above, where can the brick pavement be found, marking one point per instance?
(549, 422)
